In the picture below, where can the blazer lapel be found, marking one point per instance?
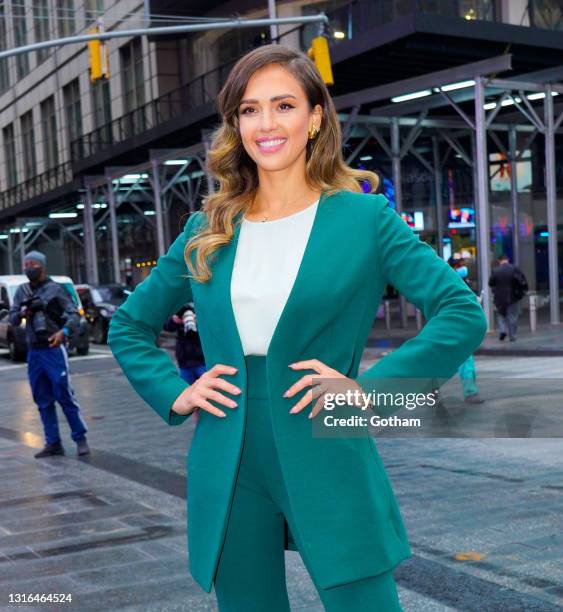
(222, 272)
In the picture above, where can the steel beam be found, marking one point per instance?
(512, 156)
(439, 78)
(551, 196)
(482, 178)
(113, 230)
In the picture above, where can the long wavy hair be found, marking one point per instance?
(236, 172)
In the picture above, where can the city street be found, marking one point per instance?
(484, 516)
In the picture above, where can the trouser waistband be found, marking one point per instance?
(257, 380)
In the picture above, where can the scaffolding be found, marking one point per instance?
(180, 175)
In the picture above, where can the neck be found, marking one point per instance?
(287, 204)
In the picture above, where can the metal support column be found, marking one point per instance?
(482, 179)
(10, 254)
(209, 176)
(551, 195)
(438, 189)
(158, 207)
(113, 230)
(90, 240)
(22, 246)
(514, 193)
(396, 160)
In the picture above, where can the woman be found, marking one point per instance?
(288, 261)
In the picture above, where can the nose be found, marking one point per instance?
(268, 120)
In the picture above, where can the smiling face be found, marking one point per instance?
(274, 119)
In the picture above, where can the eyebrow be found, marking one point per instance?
(273, 99)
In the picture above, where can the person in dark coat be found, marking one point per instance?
(509, 286)
(50, 316)
(189, 353)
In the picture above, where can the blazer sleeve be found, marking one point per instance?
(136, 324)
(455, 321)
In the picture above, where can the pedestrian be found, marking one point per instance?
(286, 264)
(467, 371)
(189, 352)
(50, 317)
(509, 286)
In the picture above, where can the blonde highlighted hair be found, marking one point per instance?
(228, 161)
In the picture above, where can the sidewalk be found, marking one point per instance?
(546, 341)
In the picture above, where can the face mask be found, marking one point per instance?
(462, 271)
(33, 274)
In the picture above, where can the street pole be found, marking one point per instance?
(193, 27)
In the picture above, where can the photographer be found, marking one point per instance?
(49, 315)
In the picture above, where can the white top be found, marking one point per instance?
(266, 263)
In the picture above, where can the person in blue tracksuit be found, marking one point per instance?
(50, 316)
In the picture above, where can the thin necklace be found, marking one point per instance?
(264, 219)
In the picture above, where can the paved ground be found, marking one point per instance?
(485, 516)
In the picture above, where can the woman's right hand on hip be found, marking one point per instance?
(198, 394)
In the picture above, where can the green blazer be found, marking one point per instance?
(348, 517)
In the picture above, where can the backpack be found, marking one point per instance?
(519, 285)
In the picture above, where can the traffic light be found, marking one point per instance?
(320, 54)
(97, 57)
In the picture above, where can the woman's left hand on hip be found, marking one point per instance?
(318, 391)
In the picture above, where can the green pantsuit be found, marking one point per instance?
(251, 572)
(346, 519)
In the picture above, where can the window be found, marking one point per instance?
(49, 132)
(20, 37)
(133, 86)
(10, 155)
(41, 26)
(73, 116)
(102, 110)
(4, 74)
(28, 144)
(65, 17)
(93, 9)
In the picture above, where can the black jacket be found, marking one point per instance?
(59, 309)
(503, 281)
(189, 352)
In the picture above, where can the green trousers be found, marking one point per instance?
(250, 574)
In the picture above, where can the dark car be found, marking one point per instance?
(14, 338)
(100, 302)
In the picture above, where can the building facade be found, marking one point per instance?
(68, 144)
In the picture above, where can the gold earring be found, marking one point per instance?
(313, 132)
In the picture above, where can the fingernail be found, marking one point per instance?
(290, 365)
(285, 394)
(293, 411)
(234, 404)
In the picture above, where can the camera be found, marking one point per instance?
(38, 320)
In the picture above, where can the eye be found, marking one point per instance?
(247, 108)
